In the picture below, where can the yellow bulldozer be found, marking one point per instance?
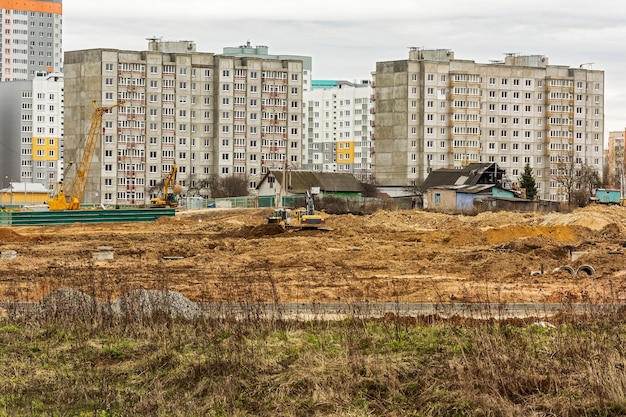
(301, 218)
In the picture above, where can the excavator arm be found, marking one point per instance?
(169, 199)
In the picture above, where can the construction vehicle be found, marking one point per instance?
(301, 218)
(71, 198)
(169, 199)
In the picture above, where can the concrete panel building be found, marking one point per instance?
(212, 115)
(31, 38)
(338, 128)
(262, 51)
(435, 111)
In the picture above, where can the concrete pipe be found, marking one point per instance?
(567, 268)
(587, 269)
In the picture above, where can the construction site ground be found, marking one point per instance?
(389, 256)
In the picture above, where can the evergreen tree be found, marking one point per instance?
(527, 181)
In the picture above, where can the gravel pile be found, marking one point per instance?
(67, 301)
(146, 303)
(139, 303)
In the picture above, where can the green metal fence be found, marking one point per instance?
(42, 218)
(232, 202)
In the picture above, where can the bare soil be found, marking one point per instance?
(389, 256)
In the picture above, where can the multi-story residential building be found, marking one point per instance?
(337, 128)
(435, 111)
(31, 129)
(31, 38)
(212, 115)
(615, 159)
(260, 51)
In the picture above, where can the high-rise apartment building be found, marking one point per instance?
(31, 38)
(31, 129)
(31, 62)
(261, 51)
(338, 128)
(435, 111)
(615, 159)
(212, 115)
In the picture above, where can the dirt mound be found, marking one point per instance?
(8, 235)
(508, 233)
(500, 218)
(596, 221)
(266, 230)
(541, 245)
(251, 232)
(401, 221)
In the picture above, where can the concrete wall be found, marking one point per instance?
(440, 200)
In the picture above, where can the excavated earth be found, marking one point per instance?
(388, 256)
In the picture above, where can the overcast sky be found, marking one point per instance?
(346, 38)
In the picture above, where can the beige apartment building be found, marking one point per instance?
(434, 111)
(211, 114)
(615, 160)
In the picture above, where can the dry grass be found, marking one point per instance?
(89, 362)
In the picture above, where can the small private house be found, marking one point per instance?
(464, 198)
(476, 187)
(23, 193)
(298, 182)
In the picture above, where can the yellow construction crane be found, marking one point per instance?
(71, 199)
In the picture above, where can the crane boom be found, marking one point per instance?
(76, 190)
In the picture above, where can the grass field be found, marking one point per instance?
(98, 365)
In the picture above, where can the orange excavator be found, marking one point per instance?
(70, 198)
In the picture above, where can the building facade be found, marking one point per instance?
(212, 115)
(338, 128)
(435, 111)
(615, 160)
(31, 130)
(31, 38)
(261, 51)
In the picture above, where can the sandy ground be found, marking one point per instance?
(406, 256)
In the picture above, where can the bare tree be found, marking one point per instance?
(588, 181)
(199, 187)
(232, 186)
(565, 175)
(369, 189)
(576, 180)
(156, 189)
